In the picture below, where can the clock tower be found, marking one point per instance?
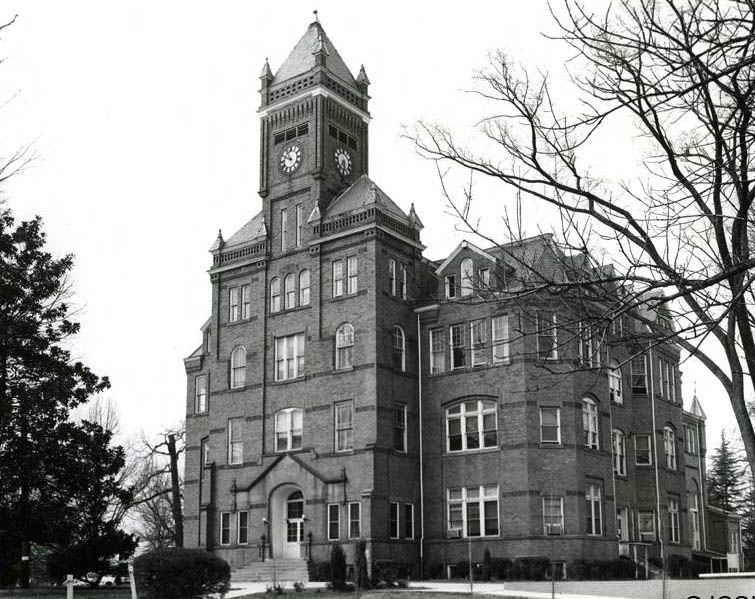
(314, 124)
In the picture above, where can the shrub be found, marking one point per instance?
(177, 573)
(319, 571)
(362, 580)
(500, 568)
(486, 566)
(337, 568)
(530, 568)
(435, 571)
(462, 569)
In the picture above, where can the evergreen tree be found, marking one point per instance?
(725, 477)
(56, 476)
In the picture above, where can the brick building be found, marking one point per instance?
(310, 400)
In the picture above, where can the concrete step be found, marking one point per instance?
(282, 570)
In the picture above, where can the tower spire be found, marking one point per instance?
(317, 19)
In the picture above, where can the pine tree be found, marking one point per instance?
(56, 476)
(725, 478)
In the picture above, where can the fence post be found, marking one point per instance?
(131, 579)
(69, 586)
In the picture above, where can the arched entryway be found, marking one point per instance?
(287, 521)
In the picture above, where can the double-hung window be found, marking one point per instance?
(643, 452)
(590, 423)
(299, 223)
(473, 511)
(550, 425)
(500, 338)
(234, 302)
(304, 287)
(399, 348)
(289, 357)
(437, 352)
(402, 282)
(242, 528)
(619, 453)
(275, 294)
(690, 439)
(478, 337)
(235, 441)
(284, 230)
(344, 425)
(450, 283)
(593, 510)
(334, 521)
(646, 528)
(200, 394)
(673, 519)
(639, 376)
(355, 520)
(289, 290)
(399, 428)
(351, 267)
(393, 511)
(553, 515)
(669, 447)
(408, 520)
(458, 351)
(337, 278)
(238, 367)
(467, 277)
(471, 425)
(345, 346)
(547, 336)
(246, 302)
(225, 528)
(288, 429)
(391, 276)
(614, 383)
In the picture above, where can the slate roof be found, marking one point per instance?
(360, 194)
(249, 232)
(301, 60)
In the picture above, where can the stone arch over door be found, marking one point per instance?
(287, 517)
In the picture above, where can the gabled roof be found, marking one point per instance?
(363, 192)
(252, 230)
(301, 59)
(464, 245)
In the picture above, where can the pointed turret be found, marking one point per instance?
(219, 242)
(266, 74)
(414, 219)
(363, 82)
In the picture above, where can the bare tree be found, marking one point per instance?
(683, 73)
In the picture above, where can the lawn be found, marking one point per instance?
(376, 594)
(59, 592)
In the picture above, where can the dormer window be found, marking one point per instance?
(450, 286)
(467, 277)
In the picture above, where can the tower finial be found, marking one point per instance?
(317, 19)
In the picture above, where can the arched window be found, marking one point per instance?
(467, 277)
(304, 288)
(590, 422)
(693, 505)
(288, 429)
(295, 505)
(289, 288)
(669, 447)
(619, 453)
(238, 367)
(472, 425)
(399, 348)
(344, 346)
(614, 382)
(275, 294)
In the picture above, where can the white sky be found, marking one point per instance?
(143, 118)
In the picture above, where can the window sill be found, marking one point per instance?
(345, 296)
(241, 321)
(237, 389)
(462, 369)
(296, 379)
(643, 465)
(551, 445)
(289, 310)
(462, 452)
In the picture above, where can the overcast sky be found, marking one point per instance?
(142, 115)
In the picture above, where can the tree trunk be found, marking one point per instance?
(175, 491)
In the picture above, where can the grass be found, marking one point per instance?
(78, 592)
(369, 594)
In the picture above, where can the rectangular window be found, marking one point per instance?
(391, 276)
(200, 394)
(351, 267)
(289, 357)
(399, 428)
(437, 352)
(334, 521)
(501, 338)
(547, 336)
(478, 341)
(234, 302)
(344, 415)
(643, 455)
(619, 453)
(473, 511)
(647, 526)
(402, 282)
(246, 302)
(242, 528)
(408, 520)
(458, 351)
(465, 421)
(550, 425)
(235, 441)
(204, 455)
(485, 279)
(393, 519)
(337, 278)
(299, 223)
(355, 520)
(690, 439)
(284, 229)
(673, 519)
(225, 528)
(669, 447)
(639, 376)
(553, 515)
(450, 286)
(593, 510)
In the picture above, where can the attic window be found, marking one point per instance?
(291, 133)
(345, 138)
(302, 129)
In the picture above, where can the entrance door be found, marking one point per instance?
(622, 523)
(294, 524)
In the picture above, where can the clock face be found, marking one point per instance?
(343, 161)
(291, 158)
